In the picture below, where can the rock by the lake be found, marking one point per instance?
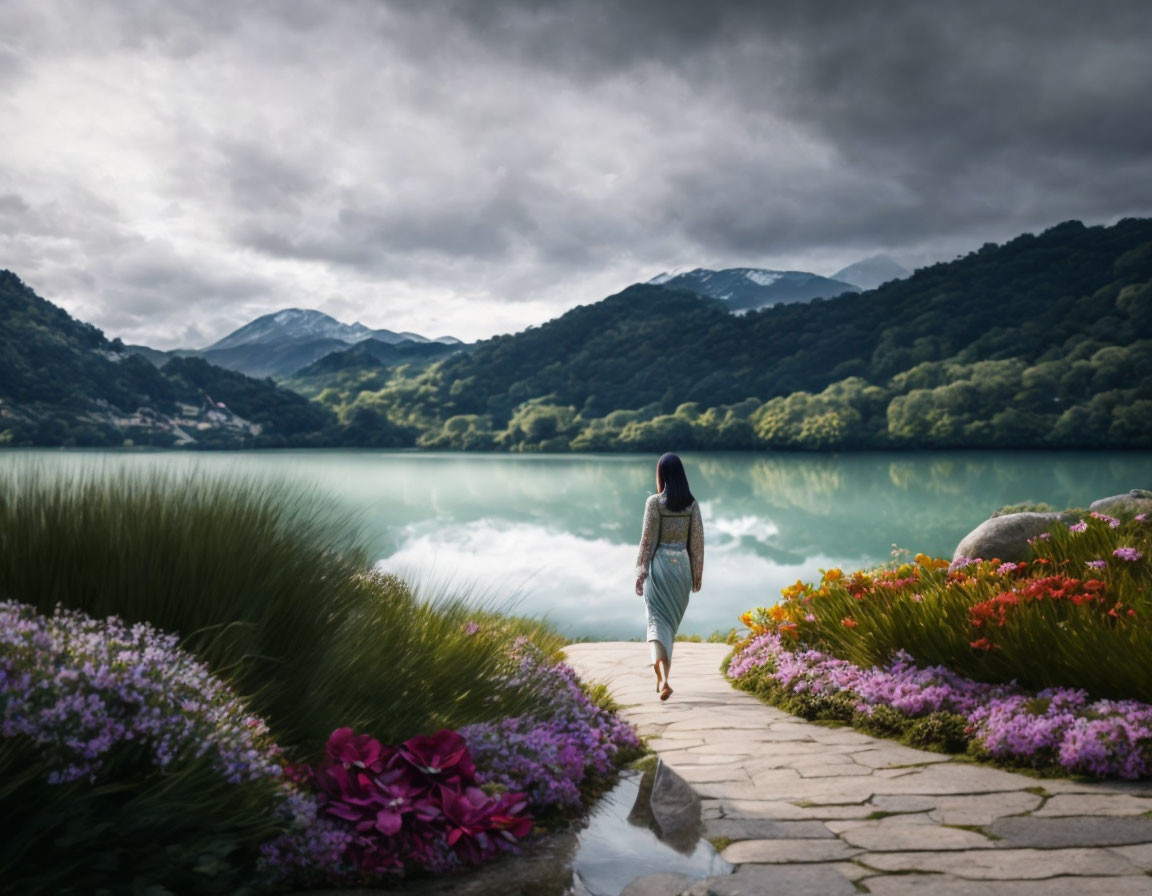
(1005, 537)
(1139, 500)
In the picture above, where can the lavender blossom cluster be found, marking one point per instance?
(79, 687)
(549, 756)
(1056, 726)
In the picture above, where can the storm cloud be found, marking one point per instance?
(170, 171)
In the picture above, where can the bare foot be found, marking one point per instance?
(665, 692)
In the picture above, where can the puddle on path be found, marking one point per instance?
(619, 844)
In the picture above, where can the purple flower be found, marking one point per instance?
(1062, 726)
(1097, 564)
(1081, 526)
(1129, 554)
(1112, 522)
(1004, 568)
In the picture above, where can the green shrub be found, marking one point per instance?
(943, 731)
(186, 830)
(881, 721)
(824, 707)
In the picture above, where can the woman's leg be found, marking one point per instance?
(661, 665)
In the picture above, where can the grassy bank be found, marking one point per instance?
(270, 585)
(200, 678)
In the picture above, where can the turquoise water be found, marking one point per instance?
(556, 535)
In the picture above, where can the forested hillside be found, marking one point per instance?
(63, 383)
(1044, 341)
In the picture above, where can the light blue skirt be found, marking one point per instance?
(666, 592)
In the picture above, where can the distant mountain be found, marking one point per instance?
(63, 383)
(747, 289)
(269, 359)
(300, 325)
(1045, 341)
(277, 345)
(868, 273)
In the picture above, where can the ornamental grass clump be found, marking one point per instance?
(268, 583)
(123, 760)
(1078, 614)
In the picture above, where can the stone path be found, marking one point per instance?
(809, 809)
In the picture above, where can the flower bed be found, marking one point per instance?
(127, 759)
(935, 707)
(1046, 622)
(1042, 662)
(118, 732)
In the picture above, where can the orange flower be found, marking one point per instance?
(833, 574)
(849, 622)
(778, 613)
(984, 644)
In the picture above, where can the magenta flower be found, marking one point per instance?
(1081, 526)
(1112, 522)
(362, 751)
(444, 753)
(1129, 554)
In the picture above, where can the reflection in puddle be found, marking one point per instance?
(619, 844)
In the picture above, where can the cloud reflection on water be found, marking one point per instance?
(585, 585)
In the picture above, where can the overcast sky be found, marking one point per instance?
(170, 170)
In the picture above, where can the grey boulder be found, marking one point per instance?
(1139, 500)
(1005, 537)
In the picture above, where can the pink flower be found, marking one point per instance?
(1078, 527)
(918, 598)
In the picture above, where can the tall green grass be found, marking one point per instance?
(271, 585)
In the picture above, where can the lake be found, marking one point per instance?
(556, 535)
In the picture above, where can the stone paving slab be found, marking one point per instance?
(945, 885)
(808, 808)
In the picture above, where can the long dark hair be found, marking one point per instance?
(674, 491)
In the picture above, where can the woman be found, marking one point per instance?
(671, 561)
